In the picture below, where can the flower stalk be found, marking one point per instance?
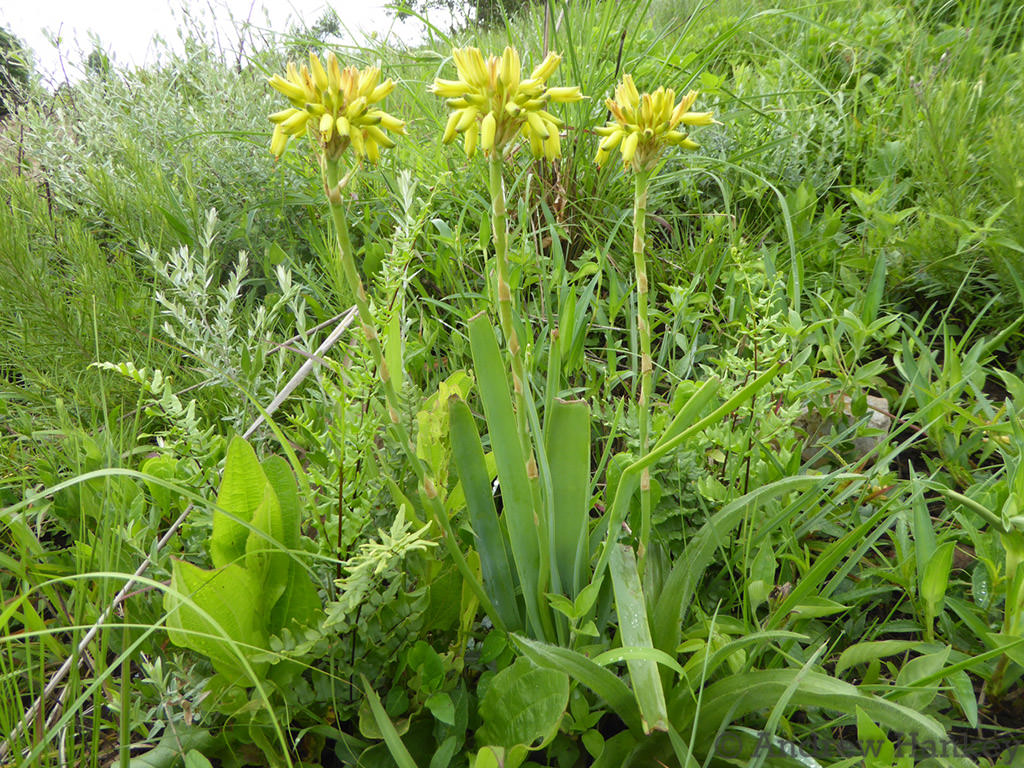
(642, 128)
(338, 106)
(641, 182)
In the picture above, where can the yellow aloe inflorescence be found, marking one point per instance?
(491, 103)
(339, 103)
(645, 124)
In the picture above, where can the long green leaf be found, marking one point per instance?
(739, 695)
(397, 749)
(483, 517)
(636, 632)
(631, 475)
(689, 568)
(568, 450)
(521, 519)
(601, 681)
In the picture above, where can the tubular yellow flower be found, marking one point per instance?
(644, 125)
(491, 104)
(339, 103)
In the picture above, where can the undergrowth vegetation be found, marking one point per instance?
(484, 454)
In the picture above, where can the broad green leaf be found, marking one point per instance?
(878, 751)
(568, 450)
(441, 707)
(521, 519)
(215, 613)
(876, 288)
(523, 705)
(916, 669)
(963, 692)
(815, 607)
(862, 653)
(299, 601)
(241, 491)
(281, 478)
(264, 559)
(491, 544)
(924, 529)
(935, 577)
(194, 759)
(636, 632)
(427, 664)
(598, 679)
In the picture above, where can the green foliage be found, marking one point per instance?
(15, 68)
(258, 587)
(843, 252)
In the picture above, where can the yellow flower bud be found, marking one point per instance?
(537, 125)
(449, 128)
(278, 141)
(510, 68)
(326, 126)
(487, 129)
(379, 137)
(629, 146)
(546, 68)
(319, 73)
(565, 94)
(698, 118)
(467, 119)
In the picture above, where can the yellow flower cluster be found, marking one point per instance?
(491, 103)
(340, 105)
(645, 125)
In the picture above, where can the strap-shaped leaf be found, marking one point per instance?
(522, 521)
(495, 563)
(568, 451)
(636, 632)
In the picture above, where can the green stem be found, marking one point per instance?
(332, 179)
(520, 385)
(641, 182)
(499, 228)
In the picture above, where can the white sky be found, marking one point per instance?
(126, 28)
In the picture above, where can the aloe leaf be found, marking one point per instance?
(635, 632)
(631, 475)
(521, 519)
(491, 543)
(568, 452)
